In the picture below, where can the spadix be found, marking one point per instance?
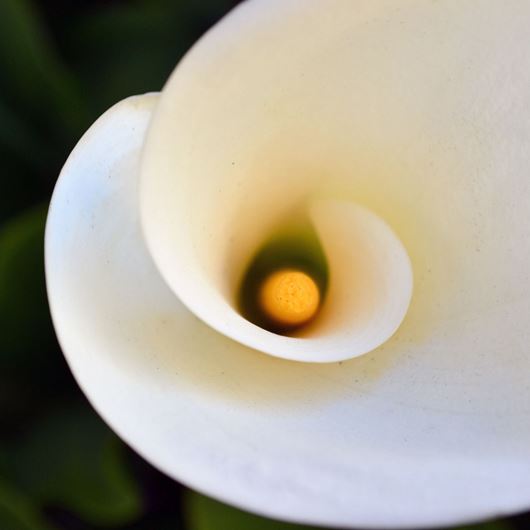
(291, 298)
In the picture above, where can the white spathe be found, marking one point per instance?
(419, 112)
(370, 286)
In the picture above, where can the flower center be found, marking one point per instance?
(289, 297)
(285, 283)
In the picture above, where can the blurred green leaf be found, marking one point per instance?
(34, 77)
(131, 48)
(71, 460)
(24, 316)
(17, 512)
(163, 521)
(493, 525)
(17, 193)
(203, 513)
(31, 365)
(19, 139)
(126, 49)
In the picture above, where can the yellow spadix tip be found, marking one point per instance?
(289, 297)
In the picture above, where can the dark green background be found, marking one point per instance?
(62, 63)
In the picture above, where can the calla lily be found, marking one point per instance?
(399, 131)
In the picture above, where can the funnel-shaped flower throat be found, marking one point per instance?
(285, 284)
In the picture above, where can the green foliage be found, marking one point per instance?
(18, 139)
(131, 48)
(34, 75)
(203, 513)
(17, 512)
(26, 337)
(24, 322)
(493, 525)
(72, 460)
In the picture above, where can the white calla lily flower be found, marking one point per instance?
(400, 132)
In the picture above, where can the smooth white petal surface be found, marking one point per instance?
(417, 110)
(370, 282)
